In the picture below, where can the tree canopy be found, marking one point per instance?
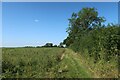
(85, 19)
(87, 33)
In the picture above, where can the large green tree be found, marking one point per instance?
(85, 20)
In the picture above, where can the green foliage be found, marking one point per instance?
(105, 40)
(81, 22)
(55, 46)
(41, 63)
(88, 35)
(48, 45)
(61, 45)
(29, 62)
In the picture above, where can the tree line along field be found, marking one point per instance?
(93, 39)
(92, 51)
(52, 63)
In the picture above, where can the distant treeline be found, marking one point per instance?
(47, 45)
(88, 35)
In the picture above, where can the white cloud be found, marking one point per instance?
(36, 20)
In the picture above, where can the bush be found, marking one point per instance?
(101, 43)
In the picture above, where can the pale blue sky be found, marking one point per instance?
(35, 24)
(0, 24)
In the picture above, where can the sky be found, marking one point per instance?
(36, 23)
(0, 24)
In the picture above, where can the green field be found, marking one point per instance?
(50, 63)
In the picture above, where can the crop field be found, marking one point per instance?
(49, 63)
(45, 40)
(40, 63)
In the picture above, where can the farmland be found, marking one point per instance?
(40, 63)
(51, 63)
(91, 49)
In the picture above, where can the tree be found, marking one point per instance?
(84, 20)
(55, 46)
(67, 41)
(61, 44)
(48, 45)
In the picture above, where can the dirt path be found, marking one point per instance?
(75, 63)
(79, 62)
(71, 66)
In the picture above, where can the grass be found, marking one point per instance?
(101, 69)
(51, 63)
(41, 63)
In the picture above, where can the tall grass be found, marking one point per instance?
(29, 62)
